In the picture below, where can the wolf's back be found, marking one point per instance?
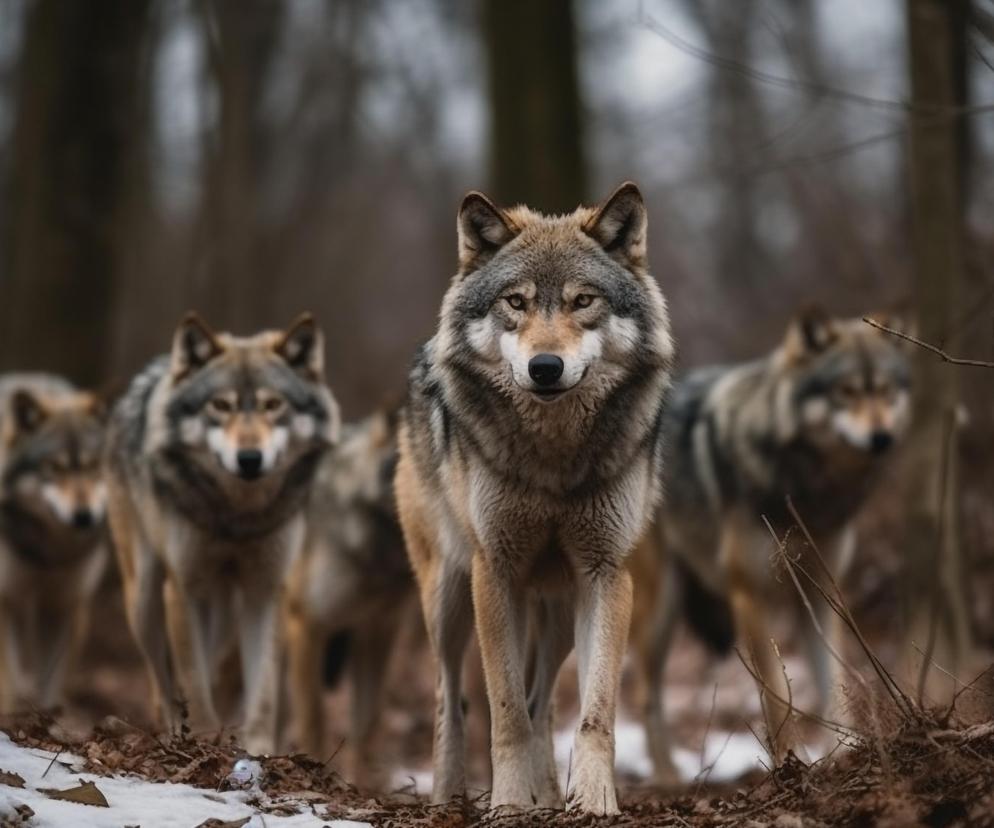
(129, 418)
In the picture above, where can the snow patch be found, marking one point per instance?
(133, 801)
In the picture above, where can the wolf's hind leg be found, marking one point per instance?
(304, 651)
(369, 669)
(653, 652)
(552, 620)
(447, 603)
(603, 615)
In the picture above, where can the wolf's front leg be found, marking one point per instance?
(259, 637)
(500, 626)
(59, 642)
(189, 620)
(603, 614)
(16, 688)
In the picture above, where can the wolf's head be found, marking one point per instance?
(249, 407)
(550, 309)
(852, 382)
(52, 450)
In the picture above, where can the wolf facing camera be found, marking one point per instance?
(211, 455)
(52, 537)
(813, 421)
(529, 466)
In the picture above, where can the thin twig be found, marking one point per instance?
(899, 697)
(54, 758)
(972, 363)
(828, 724)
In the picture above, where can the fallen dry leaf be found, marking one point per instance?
(11, 779)
(86, 793)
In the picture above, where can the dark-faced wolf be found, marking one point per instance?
(52, 550)
(529, 465)
(210, 460)
(349, 590)
(813, 421)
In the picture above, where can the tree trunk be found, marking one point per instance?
(936, 602)
(234, 284)
(58, 266)
(537, 154)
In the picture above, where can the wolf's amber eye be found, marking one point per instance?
(221, 405)
(516, 301)
(583, 300)
(272, 404)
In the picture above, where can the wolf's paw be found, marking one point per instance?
(592, 787)
(259, 744)
(599, 800)
(512, 786)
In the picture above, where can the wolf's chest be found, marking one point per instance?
(535, 532)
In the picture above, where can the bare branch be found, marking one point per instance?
(972, 363)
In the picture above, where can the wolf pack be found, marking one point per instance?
(550, 483)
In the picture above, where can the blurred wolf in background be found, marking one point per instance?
(52, 550)
(350, 587)
(812, 421)
(210, 460)
(529, 465)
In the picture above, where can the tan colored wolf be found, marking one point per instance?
(351, 587)
(52, 536)
(210, 460)
(529, 464)
(813, 421)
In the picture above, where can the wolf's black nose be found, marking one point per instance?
(249, 462)
(881, 441)
(545, 369)
(82, 519)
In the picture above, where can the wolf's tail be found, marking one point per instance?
(336, 656)
(708, 613)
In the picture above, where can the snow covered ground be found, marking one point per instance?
(131, 801)
(732, 755)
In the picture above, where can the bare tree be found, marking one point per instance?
(936, 602)
(537, 153)
(76, 98)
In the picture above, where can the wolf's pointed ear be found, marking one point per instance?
(620, 225)
(302, 346)
(483, 230)
(811, 332)
(194, 345)
(27, 411)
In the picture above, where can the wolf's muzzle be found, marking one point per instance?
(249, 463)
(83, 519)
(545, 369)
(881, 441)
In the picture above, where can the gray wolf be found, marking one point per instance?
(813, 421)
(52, 541)
(349, 590)
(211, 454)
(529, 465)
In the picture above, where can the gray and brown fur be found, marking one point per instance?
(210, 460)
(520, 502)
(52, 537)
(351, 586)
(812, 421)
